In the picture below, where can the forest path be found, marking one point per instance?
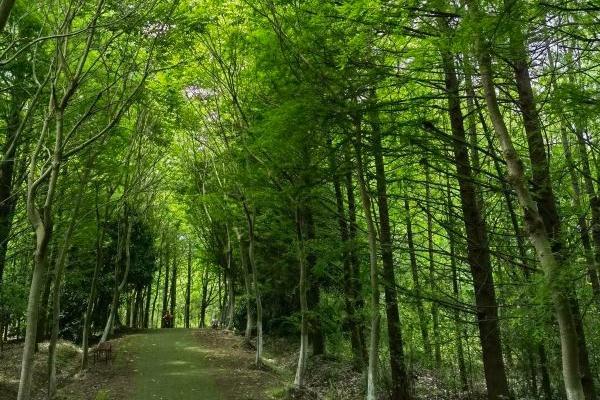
(194, 364)
(172, 364)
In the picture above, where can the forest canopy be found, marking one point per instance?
(409, 187)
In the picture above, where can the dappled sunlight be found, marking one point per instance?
(178, 363)
(187, 373)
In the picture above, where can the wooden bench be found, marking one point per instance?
(103, 351)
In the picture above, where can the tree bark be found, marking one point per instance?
(594, 206)
(302, 284)
(353, 257)
(352, 321)
(416, 282)
(230, 282)
(458, 328)
(5, 9)
(118, 289)
(542, 192)
(316, 336)
(478, 253)
(61, 262)
(146, 319)
(188, 287)
(247, 285)
(252, 262)
(537, 230)
(41, 221)
(203, 299)
(374, 269)
(400, 384)
(92, 296)
(165, 294)
(584, 232)
(541, 351)
(432, 279)
(160, 264)
(173, 291)
(42, 331)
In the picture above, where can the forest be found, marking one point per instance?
(373, 199)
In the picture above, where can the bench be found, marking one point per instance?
(103, 351)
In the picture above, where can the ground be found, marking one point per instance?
(157, 364)
(196, 364)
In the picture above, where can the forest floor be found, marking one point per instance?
(193, 364)
(154, 364)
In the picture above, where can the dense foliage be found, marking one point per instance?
(410, 186)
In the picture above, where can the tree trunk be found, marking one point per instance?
(458, 329)
(230, 283)
(400, 384)
(45, 311)
(352, 321)
(41, 221)
(415, 277)
(61, 262)
(138, 311)
(374, 270)
(542, 192)
(432, 279)
(247, 284)
(42, 236)
(478, 252)
(173, 293)
(146, 319)
(108, 329)
(353, 257)
(220, 295)
(538, 234)
(92, 295)
(165, 294)
(5, 9)
(204, 299)
(188, 287)
(252, 262)
(316, 336)
(546, 386)
(42, 331)
(594, 206)
(584, 232)
(299, 379)
(160, 264)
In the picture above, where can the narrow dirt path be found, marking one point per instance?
(194, 364)
(171, 364)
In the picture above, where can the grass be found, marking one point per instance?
(171, 364)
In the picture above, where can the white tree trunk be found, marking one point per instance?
(554, 273)
(374, 272)
(33, 304)
(301, 368)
